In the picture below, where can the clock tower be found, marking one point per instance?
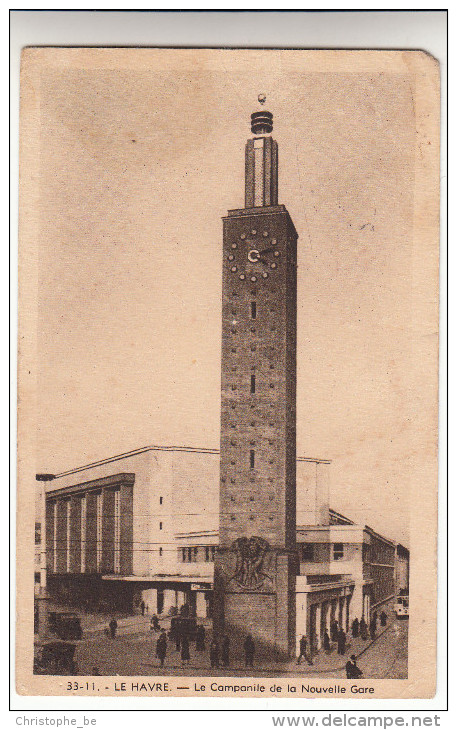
(256, 563)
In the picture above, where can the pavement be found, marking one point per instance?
(132, 653)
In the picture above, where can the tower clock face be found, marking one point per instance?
(254, 255)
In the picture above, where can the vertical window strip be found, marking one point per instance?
(54, 541)
(99, 530)
(68, 526)
(252, 459)
(117, 531)
(83, 532)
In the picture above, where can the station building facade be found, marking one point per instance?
(144, 527)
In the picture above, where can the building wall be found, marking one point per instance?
(173, 504)
(312, 492)
(382, 568)
(174, 490)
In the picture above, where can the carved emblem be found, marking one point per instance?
(251, 563)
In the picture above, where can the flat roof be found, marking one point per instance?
(156, 447)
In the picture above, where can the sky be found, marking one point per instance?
(138, 161)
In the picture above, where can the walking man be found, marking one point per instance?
(113, 628)
(303, 644)
(249, 651)
(327, 647)
(363, 630)
(142, 606)
(352, 670)
(185, 653)
(225, 651)
(334, 630)
(161, 647)
(341, 642)
(355, 628)
(214, 654)
(200, 642)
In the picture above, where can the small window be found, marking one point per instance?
(160, 552)
(161, 500)
(253, 310)
(252, 383)
(183, 555)
(307, 552)
(252, 458)
(338, 551)
(160, 525)
(194, 554)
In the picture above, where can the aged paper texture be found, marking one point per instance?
(228, 429)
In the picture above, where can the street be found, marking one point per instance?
(133, 653)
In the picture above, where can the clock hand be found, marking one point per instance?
(267, 250)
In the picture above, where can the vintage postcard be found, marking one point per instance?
(228, 373)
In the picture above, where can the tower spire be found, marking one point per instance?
(261, 172)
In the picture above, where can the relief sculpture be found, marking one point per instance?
(251, 563)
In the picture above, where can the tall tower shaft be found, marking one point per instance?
(256, 562)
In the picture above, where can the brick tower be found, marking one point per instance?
(255, 568)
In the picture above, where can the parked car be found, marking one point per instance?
(55, 657)
(65, 625)
(181, 626)
(401, 607)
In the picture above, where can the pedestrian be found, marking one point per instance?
(355, 628)
(113, 628)
(383, 618)
(225, 651)
(155, 625)
(352, 670)
(249, 651)
(178, 637)
(303, 644)
(142, 606)
(373, 628)
(334, 630)
(214, 653)
(327, 647)
(341, 642)
(200, 643)
(161, 647)
(363, 629)
(185, 653)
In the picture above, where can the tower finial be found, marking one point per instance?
(261, 122)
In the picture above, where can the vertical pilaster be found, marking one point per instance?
(108, 532)
(61, 566)
(126, 530)
(75, 534)
(91, 533)
(49, 536)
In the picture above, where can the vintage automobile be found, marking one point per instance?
(401, 607)
(183, 626)
(65, 625)
(55, 657)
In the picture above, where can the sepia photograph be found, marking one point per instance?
(228, 372)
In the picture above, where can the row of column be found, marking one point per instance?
(90, 532)
(324, 613)
(161, 600)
